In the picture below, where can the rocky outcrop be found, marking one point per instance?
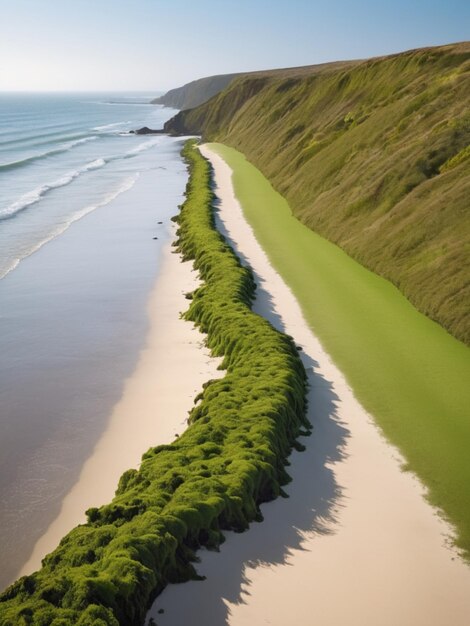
(145, 130)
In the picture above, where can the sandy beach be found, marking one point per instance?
(356, 542)
(154, 405)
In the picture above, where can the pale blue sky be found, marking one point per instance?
(158, 44)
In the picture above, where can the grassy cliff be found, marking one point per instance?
(195, 93)
(374, 156)
(201, 90)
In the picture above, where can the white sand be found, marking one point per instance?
(356, 544)
(154, 405)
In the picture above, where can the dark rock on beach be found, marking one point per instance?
(145, 130)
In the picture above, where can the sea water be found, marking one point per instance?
(80, 240)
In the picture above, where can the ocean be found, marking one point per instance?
(84, 214)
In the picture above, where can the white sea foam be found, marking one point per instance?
(125, 185)
(14, 263)
(65, 147)
(77, 142)
(94, 165)
(36, 194)
(144, 146)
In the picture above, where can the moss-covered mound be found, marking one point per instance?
(230, 459)
(374, 157)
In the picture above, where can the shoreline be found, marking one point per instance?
(171, 369)
(356, 542)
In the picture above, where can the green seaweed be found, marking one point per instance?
(406, 370)
(213, 477)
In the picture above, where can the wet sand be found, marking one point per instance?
(73, 322)
(356, 542)
(154, 406)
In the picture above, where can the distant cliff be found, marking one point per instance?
(373, 155)
(199, 91)
(195, 93)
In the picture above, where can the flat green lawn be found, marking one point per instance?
(405, 369)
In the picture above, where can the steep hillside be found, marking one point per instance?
(200, 91)
(374, 156)
(195, 93)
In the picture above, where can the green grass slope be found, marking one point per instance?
(213, 477)
(198, 91)
(405, 369)
(195, 93)
(373, 156)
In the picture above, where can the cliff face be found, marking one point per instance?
(195, 93)
(199, 91)
(374, 156)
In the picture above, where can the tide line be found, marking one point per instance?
(127, 184)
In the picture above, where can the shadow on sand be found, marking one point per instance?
(314, 499)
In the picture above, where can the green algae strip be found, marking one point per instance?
(405, 369)
(230, 459)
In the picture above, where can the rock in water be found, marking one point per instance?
(145, 130)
